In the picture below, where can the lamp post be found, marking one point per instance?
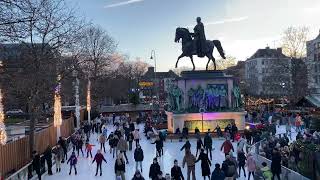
(153, 57)
(283, 85)
(77, 101)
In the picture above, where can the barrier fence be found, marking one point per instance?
(15, 155)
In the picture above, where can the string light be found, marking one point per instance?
(3, 133)
(57, 105)
(89, 96)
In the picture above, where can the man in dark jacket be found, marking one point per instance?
(276, 164)
(154, 169)
(176, 173)
(63, 144)
(228, 167)
(186, 145)
(99, 158)
(217, 173)
(208, 144)
(48, 158)
(234, 131)
(137, 176)
(36, 164)
(138, 157)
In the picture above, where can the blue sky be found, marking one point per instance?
(242, 26)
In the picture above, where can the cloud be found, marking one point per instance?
(122, 3)
(223, 21)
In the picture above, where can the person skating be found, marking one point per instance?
(190, 160)
(199, 145)
(63, 144)
(205, 164)
(138, 176)
(229, 168)
(102, 141)
(123, 147)
(36, 164)
(79, 145)
(136, 136)
(227, 146)
(138, 157)
(58, 155)
(159, 145)
(154, 169)
(186, 145)
(176, 173)
(251, 165)
(130, 140)
(89, 149)
(73, 163)
(208, 144)
(217, 173)
(160, 176)
(242, 162)
(99, 158)
(120, 167)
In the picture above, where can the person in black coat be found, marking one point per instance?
(205, 164)
(137, 176)
(217, 173)
(208, 144)
(36, 163)
(63, 144)
(199, 145)
(48, 157)
(176, 173)
(138, 157)
(154, 169)
(234, 131)
(276, 164)
(186, 145)
(242, 162)
(159, 145)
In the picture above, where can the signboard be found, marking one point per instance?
(145, 84)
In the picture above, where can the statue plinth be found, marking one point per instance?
(211, 95)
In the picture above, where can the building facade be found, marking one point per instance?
(313, 65)
(268, 73)
(152, 85)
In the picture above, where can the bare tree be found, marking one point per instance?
(224, 63)
(50, 28)
(294, 41)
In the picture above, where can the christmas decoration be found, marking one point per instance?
(3, 134)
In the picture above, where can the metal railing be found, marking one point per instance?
(286, 173)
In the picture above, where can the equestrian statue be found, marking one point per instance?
(196, 44)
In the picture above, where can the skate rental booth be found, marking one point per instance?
(203, 100)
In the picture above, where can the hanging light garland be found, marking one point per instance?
(89, 96)
(3, 133)
(57, 105)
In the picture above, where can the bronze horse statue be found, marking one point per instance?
(189, 49)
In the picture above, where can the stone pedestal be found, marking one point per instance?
(206, 99)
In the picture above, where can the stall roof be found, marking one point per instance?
(312, 100)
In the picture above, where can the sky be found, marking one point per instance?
(242, 26)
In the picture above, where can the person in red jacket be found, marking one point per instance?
(89, 149)
(227, 146)
(99, 158)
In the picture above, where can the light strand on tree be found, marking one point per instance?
(89, 96)
(57, 106)
(3, 133)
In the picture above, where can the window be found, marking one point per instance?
(318, 57)
(315, 57)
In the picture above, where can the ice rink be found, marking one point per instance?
(86, 170)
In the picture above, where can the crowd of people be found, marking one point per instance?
(126, 136)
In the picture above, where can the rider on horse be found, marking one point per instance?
(200, 38)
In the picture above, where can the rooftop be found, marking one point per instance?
(268, 53)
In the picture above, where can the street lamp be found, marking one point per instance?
(153, 57)
(283, 85)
